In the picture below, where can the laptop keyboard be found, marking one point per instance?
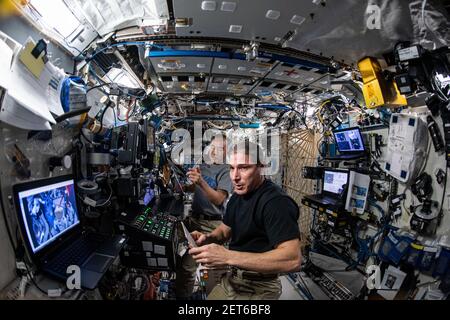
(75, 254)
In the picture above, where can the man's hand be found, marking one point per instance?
(195, 175)
(211, 255)
(200, 238)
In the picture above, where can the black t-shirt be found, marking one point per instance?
(262, 219)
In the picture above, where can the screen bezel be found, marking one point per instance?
(328, 193)
(349, 151)
(17, 188)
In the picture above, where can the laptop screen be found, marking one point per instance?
(334, 181)
(48, 211)
(349, 140)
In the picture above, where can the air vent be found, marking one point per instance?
(183, 79)
(285, 64)
(217, 80)
(317, 92)
(199, 79)
(279, 86)
(306, 90)
(292, 88)
(265, 84)
(304, 68)
(320, 71)
(233, 81)
(166, 78)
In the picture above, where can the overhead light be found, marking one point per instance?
(201, 65)
(296, 19)
(214, 86)
(209, 5)
(222, 66)
(235, 28)
(310, 79)
(242, 69)
(324, 82)
(228, 6)
(277, 39)
(272, 14)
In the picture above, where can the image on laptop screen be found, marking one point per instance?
(349, 140)
(48, 212)
(334, 182)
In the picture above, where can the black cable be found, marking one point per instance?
(98, 86)
(305, 286)
(29, 275)
(86, 138)
(115, 116)
(8, 230)
(71, 114)
(443, 197)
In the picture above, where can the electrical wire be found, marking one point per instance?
(443, 197)
(8, 230)
(299, 276)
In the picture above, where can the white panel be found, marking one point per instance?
(339, 29)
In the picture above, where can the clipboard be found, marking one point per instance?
(188, 236)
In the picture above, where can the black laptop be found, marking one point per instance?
(51, 230)
(349, 143)
(334, 188)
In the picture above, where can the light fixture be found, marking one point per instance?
(222, 67)
(272, 14)
(228, 6)
(201, 65)
(296, 19)
(277, 39)
(235, 28)
(242, 69)
(209, 5)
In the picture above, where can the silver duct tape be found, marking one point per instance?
(87, 186)
(99, 158)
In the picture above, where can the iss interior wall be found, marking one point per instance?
(36, 151)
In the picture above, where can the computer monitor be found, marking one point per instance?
(349, 140)
(335, 181)
(47, 210)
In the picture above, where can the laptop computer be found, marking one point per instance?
(334, 188)
(52, 233)
(349, 143)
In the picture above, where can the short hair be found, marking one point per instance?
(253, 150)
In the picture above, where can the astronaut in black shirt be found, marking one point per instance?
(261, 224)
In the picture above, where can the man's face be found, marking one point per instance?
(245, 176)
(218, 150)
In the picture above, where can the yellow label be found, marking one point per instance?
(35, 66)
